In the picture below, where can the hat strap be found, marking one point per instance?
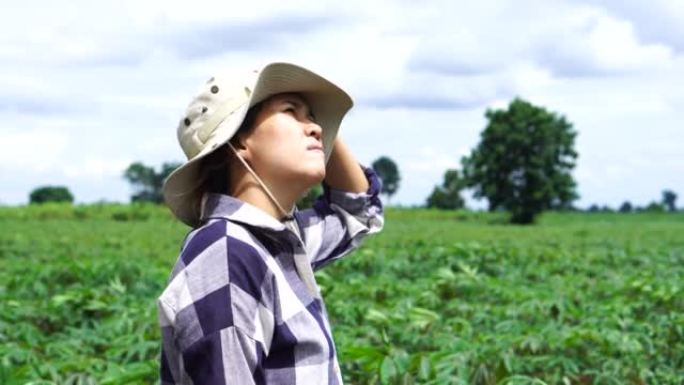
(263, 185)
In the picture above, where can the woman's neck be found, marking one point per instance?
(247, 189)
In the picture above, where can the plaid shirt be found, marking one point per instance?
(242, 305)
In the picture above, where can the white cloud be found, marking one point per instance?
(96, 169)
(596, 44)
(437, 91)
(31, 151)
(432, 161)
(458, 52)
(566, 39)
(655, 21)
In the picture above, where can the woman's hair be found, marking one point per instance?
(214, 168)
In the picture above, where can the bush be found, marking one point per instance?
(51, 194)
(134, 212)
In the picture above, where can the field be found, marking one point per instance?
(436, 298)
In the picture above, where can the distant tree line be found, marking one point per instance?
(668, 203)
(521, 165)
(147, 182)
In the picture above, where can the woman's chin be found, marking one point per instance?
(315, 176)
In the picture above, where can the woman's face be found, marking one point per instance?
(285, 145)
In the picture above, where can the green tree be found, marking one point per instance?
(448, 195)
(654, 207)
(523, 162)
(670, 200)
(388, 172)
(606, 209)
(626, 207)
(147, 183)
(51, 194)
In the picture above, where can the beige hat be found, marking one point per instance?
(216, 113)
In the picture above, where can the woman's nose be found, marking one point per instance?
(313, 129)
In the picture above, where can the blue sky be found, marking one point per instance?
(86, 88)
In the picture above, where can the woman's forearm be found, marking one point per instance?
(343, 171)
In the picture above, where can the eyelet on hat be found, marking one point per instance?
(214, 89)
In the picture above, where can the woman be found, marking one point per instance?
(242, 305)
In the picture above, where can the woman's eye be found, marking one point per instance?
(293, 110)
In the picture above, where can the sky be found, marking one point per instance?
(87, 88)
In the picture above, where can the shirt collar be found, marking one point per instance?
(225, 206)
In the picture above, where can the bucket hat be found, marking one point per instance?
(219, 108)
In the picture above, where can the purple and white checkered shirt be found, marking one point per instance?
(242, 305)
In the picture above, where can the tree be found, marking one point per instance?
(626, 207)
(669, 200)
(448, 195)
(147, 182)
(50, 194)
(606, 209)
(654, 207)
(523, 162)
(389, 174)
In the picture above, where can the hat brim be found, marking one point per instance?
(329, 103)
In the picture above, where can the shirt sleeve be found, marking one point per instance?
(224, 357)
(340, 220)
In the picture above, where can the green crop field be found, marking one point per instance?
(436, 298)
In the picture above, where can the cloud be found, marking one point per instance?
(422, 102)
(96, 169)
(566, 40)
(270, 33)
(128, 39)
(460, 52)
(31, 151)
(439, 92)
(431, 160)
(36, 94)
(33, 105)
(597, 45)
(655, 21)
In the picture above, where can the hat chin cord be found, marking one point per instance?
(287, 215)
(301, 260)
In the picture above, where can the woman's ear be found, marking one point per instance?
(240, 147)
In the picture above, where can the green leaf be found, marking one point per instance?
(388, 370)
